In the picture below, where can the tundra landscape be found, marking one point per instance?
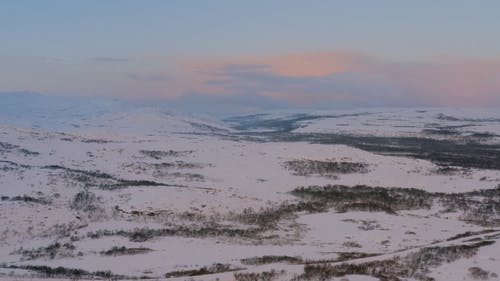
(148, 193)
(226, 140)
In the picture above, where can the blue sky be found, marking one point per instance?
(400, 29)
(148, 48)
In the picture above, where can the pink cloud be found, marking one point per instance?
(307, 78)
(450, 82)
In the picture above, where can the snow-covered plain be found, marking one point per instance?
(183, 197)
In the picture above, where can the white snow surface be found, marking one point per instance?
(209, 178)
(405, 122)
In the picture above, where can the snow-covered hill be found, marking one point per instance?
(32, 110)
(149, 193)
(433, 122)
(438, 123)
(153, 121)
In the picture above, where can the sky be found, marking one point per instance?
(302, 53)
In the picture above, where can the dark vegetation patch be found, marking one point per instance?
(446, 152)
(478, 273)
(367, 225)
(176, 165)
(164, 170)
(483, 136)
(365, 198)
(414, 265)
(64, 272)
(103, 180)
(259, 221)
(271, 259)
(5, 167)
(343, 256)
(384, 270)
(207, 128)
(28, 199)
(167, 216)
(121, 251)
(213, 269)
(449, 170)
(198, 224)
(268, 217)
(470, 233)
(87, 178)
(145, 234)
(129, 183)
(480, 207)
(7, 147)
(280, 125)
(328, 168)
(452, 131)
(100, 141)
(285, 124)
(258, 276)
(463, 151)
(13, 165)
(477, 207)
(159, 154)
(441, 132)
(166, 165)
(86, 201)
(141, 213)
(420, 262)
(371, 206)
(52, 251)
(26, 152)
(442, 116)
(352, 244)
(186, 176)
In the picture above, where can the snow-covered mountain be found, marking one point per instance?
(152, 121)
(32, 110)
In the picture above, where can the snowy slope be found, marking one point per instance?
(433, 122)
(152, 121)
(183, 193)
